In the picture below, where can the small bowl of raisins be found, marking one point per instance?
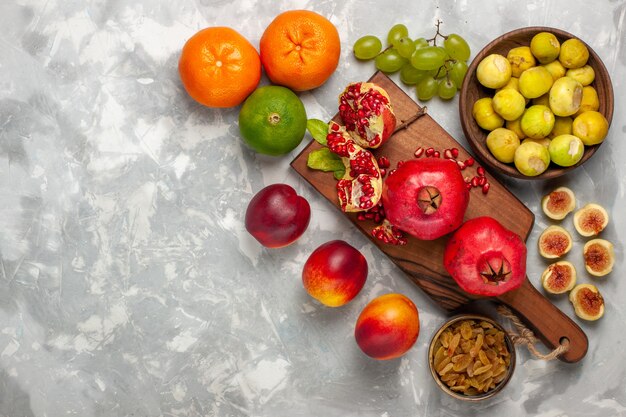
(471, 357)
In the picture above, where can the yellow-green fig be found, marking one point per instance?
(531, 159)
(566, 150)
(535, 82)
(565, 96)
(494, 71)
(502, 143)
(591, 127)
(545, 47)
(537, 121)
(574, 53)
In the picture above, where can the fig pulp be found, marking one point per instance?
(587, 301)
(485, 258)
(559, 203)
(554, 242)
(591, 220)
(426, 198)
(559, 277)
(276, 216)
(599, 257)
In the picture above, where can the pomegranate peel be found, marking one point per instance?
(485, 258)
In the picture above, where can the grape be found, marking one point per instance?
(428, 58)
(427, 88)
(405, 47)
(457, 72)
(410, 75)
(446, 89)
(420, 43)
(390, 61)
(457, 47)
(396, 32)
(367, 47)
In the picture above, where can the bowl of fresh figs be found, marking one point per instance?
(536, 103)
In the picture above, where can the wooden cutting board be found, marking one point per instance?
(422, 261)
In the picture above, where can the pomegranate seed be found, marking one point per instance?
(455, 152)
(383, 162)
(436, 154)
(461, 164)
(468, 186)
(467, 180)
(474, 182)
(418, 152)
(378, 218)
(447, 154)
(334, 127)
(392, 172)
(399, 164)
(429, 152)
(486, 188)
(482, 181)
(383, 172)
(469, 162)
(360, 217)
(480, 171)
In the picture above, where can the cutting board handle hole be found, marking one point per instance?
(564, 341)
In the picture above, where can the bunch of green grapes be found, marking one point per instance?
(434, 70)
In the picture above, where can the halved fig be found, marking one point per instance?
(559, 277)
(599, 257)
(591, 220)
(559, 203)
(554, 242)
(587, 301)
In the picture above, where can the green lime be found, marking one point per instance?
(272, 120)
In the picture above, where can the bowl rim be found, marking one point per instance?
(481, 150)
(444, 387)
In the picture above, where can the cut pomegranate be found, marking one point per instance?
(361, 185)
(390, 234)
(367, 114)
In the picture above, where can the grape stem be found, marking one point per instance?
(405, 123)
(384, 50)
(438, 33)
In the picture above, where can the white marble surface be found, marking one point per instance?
(128, 284)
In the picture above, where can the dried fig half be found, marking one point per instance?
(599, 257)
(591, 220)
(587, 301)
(559, 203)
(559, 277)
(554, 242)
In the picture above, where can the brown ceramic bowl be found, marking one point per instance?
(472, 90)
(458, 395)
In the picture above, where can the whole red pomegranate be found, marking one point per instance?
(485, 258)
(426, 198)
(277, 216)
(367, 113)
